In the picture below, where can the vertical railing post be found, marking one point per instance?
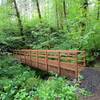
(25, 56)
(30, 57)
(37, 58)
(67, 57)
(46, 60)
(59, 69)
(84, 58)
(20, 56)
(77, 69)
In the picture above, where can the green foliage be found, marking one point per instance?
(14, 79)
(18, 82)
(79, 29)
(56, 88)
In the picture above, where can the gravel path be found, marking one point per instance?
(91, 83)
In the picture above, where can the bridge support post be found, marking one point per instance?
(84, 58)
(30, 57)
(37, 58)
(46, 60)
(25, 55)
(77, 67)
(59, 69)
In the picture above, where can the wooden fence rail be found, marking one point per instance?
(62, 62)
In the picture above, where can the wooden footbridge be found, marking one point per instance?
(63, 62)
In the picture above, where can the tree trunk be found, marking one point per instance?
(64, 7)
(57, 15)
(98, 12)
(19, 20)
(38, 9)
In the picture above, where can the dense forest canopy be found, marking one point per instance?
(50, 24)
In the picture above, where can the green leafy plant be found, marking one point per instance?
(56, 88)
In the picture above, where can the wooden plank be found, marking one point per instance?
(53, 63)
(69, 58)
(33, 54)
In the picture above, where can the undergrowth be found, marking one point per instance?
(19, 82)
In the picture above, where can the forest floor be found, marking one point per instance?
(92, 81)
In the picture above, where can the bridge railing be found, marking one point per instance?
(62, 62)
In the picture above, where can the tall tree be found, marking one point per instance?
(64, 7)
(19, 19)
(38, 9)
(98, 9)
(57, 15)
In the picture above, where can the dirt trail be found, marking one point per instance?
(91, 83)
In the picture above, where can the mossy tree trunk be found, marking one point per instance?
(38, 9)
(98, 9)
(64, 7)
(19, 20)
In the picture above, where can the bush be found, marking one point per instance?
(56, 88)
